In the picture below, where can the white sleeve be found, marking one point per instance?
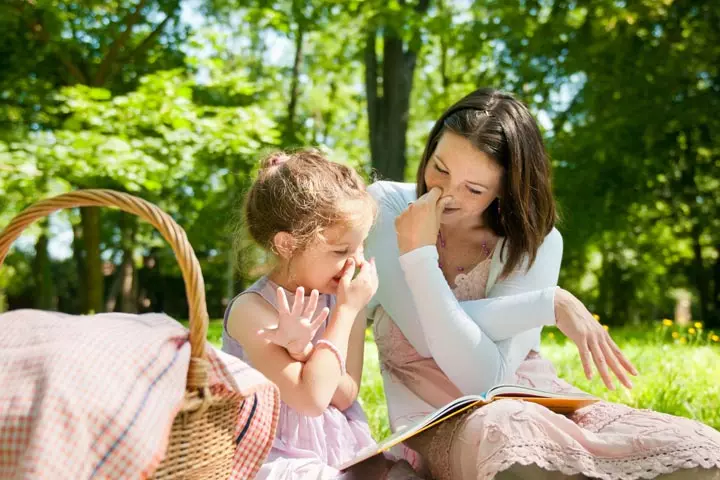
(455, 340)
(491, 314)
(502, 314)
(393, 292)
(421, 303)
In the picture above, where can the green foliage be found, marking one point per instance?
(126, 95)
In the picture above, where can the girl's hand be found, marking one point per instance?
(296, 328)
(419, 224)
(592, 341)
(355, 293)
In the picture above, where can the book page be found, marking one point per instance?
(446, 411)
(522, 391)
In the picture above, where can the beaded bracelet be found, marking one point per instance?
(335, 350)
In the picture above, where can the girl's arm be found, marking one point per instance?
(306, 387)
(349, 386)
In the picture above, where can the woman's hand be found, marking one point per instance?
(355, 293)
(591, 339)
(296, 328)
(419, 224)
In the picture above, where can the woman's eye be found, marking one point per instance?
(440, 169)
(475, 192)
(342, 252)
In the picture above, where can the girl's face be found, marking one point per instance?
(471, 177)
(321, 264)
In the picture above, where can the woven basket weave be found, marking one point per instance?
(201, 444)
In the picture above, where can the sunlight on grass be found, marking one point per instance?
(679, 371)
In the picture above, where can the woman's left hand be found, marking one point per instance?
(419, 224)
(593, 342)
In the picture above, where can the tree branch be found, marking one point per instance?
(149, 40)
(118, 44)
(38, 30)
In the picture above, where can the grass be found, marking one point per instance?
(679, 371)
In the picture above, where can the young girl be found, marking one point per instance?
(303, 325)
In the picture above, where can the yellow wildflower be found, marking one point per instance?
(675, 334)
(596, 317)
(683, 340)
(715, 338)
(606, 328)
(667, 322)
(698, 325)
(691, 331)
(551, 335)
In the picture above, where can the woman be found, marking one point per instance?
(468, 260)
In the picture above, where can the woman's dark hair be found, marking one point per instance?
(502, 127)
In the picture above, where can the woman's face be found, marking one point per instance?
(471, 177)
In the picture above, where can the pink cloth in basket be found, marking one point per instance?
(95, 396)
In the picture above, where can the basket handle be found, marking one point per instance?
(172, 232)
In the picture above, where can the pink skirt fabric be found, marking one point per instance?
(604, 440)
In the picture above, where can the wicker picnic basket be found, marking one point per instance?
(201, 444)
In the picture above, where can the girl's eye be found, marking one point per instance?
(341, 253)
(475, 192)
(440, 169)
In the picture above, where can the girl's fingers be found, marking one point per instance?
(282, 301)
(319, 319)
(311, 304)
(299, 302)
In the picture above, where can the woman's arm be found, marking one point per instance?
(454, 339)
(500, 318)
(349, 386)
(393, 292)
(522, 301)
(417, 297)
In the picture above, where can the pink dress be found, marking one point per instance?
(306, 447)
(525, 440)
(312, 447)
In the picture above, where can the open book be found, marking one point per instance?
(563, 403)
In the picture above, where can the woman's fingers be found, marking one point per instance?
(627, 364)
(601, 363)
(586, 359)
(614, 363)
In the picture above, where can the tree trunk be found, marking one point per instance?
(113, 293)
(398, 68)
(389, 111)
(79, 254)
(604, 303)
(699, 277)
(375, 107)
(94, 281)
(715, 320)
(44, 295)
(290, 130)
(128, 272)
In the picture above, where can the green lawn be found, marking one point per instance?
(679, 372)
